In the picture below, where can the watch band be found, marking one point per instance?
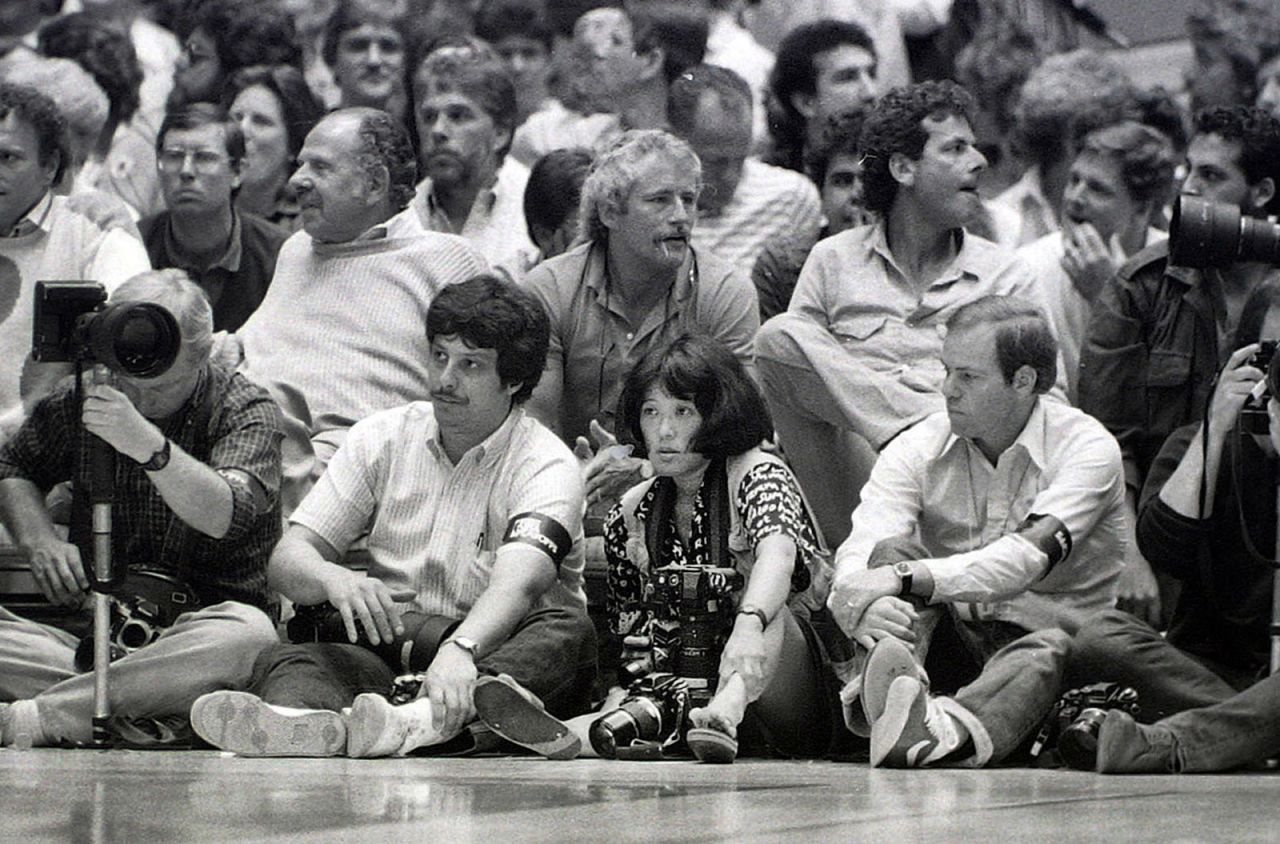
(906, 577)
(757, 612)
(465, 642)
(158, 460)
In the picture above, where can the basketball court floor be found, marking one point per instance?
(133, 796)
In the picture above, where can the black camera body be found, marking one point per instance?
(1253, 416)
(650, 718)
(73, 323)
(144, 604)
(1075, 720)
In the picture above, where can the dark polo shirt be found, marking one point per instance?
(236, 282)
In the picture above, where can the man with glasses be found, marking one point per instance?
(231, 255)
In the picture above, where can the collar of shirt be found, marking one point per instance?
(963, 264)
(1031, 439)
(487, 451)
(595, 273)
(438, 220)
(34, 220)
(229, 260)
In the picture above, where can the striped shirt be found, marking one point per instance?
(435, 528)
(770, 203)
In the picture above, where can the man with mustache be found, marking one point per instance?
(339, 334)
(465, 107)
(855, 360)
(634, 283)
(196, 497)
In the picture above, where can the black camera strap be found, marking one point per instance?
(715, 490)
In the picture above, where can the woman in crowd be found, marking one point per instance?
(275, 110)
(716, 499)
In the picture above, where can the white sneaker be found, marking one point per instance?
(376, 728)
(248, 726)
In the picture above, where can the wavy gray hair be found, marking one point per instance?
(614, 173)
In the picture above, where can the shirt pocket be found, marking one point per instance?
(860, 327)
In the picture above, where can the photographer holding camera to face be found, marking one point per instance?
(1208, 519)
(196, 497)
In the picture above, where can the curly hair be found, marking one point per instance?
(105, 51)
(613, 174)
(895, 125)
(298, 105)
(795, 72)
(1061, 88)
(1145, 157)
(488, 312)
(1257, 132)
(45, 118)
(384, 144)
(248, 32)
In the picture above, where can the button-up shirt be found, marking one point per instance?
(435, 526)
(941, 490)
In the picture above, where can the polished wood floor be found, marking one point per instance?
(129, 796)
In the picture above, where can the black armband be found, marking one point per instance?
(1049, 535)
(542, 532)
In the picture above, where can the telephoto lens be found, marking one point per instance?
(637, 718)
(1211, 234)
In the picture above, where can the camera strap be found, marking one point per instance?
(715, 491)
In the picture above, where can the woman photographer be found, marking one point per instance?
(717, 499)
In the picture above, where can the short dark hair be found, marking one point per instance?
(353, 14)
(795, 72)
(384, 144)
(45, 118)
(895, 124)
(499, 19)
(488, 312)
(248, 32)
(195, 115)
(1023, 336)
(554, 189)
(702, 370)
(105, 51)
(1258, 134)
(840, 136)
(478, 77)
(679, 31)
(299, 106)
(1145, 157)
(731, 91)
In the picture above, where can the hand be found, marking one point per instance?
(58, 571)
(1234, 384)
(449, 684)
(743, 655)
(853, 593)
(1138, 592)
(888, 617)
(1086, 258)
(358, 596)
(609, 470)
(108, 413)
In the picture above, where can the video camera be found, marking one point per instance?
(687, 659)
(74, 323)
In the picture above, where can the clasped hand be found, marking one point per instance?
(866, 606)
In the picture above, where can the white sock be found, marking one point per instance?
(23, 730)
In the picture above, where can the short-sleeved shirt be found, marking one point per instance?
(236, 282)
(230, 425)
(594, 346)
(435, 527)
(768, 501)
(938, 488)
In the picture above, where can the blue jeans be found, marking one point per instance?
(1242, 729)
(552, 654)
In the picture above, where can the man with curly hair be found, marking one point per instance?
(855, 360)
(338, 335)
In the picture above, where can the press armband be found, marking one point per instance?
(542, 532)
(1047, 534)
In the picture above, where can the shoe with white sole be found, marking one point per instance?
(246, 725)
(913, 730)
(376, 728)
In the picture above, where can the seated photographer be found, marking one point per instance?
(719, 504)
(196, 497)
(474, 518)
(991, 531)
(1217, 643)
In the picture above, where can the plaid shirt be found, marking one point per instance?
(228, 424)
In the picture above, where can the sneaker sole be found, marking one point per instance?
(243, 724)
(889, 660)
(521, 721)
(887, 729)
(367, 725)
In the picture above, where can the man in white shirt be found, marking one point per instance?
(1001, 521)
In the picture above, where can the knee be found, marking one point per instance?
(776, 340)
(1052, 641)
(244, 624)
(1109, 631)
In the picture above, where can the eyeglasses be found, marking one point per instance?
(203, 160)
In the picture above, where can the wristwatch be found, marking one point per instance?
(465, 642)
(158, 460)
(905, 576)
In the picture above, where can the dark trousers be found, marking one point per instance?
(552, 653)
